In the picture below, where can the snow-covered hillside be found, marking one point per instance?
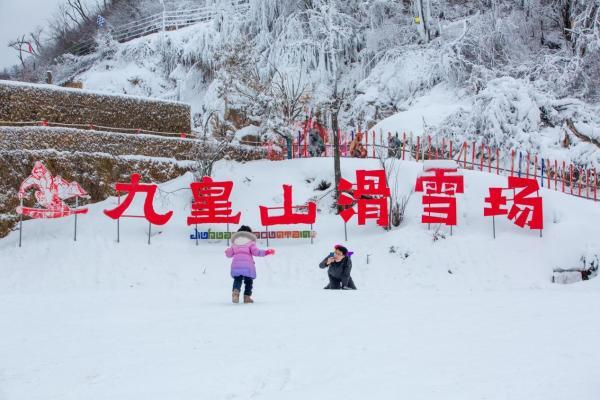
(512, 74)
(464, 316)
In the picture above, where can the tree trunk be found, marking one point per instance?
(336, 153)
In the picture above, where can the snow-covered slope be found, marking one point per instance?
(464, 316)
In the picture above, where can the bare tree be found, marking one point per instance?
(397, 203)
(337, 102)
(22, 45)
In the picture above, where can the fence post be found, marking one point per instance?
(542, 176)
(428, 148)
(579, 181)
(450, 155)
(588, 180)
(481, 158)
(512, 162)
(555, 174)
(571, 177)
(595, 184)
(466, 149)
(443, 147)
(497, 161)
(520, 159)
(489, 159)
(373, 144)
(403, 144)
(548, 172)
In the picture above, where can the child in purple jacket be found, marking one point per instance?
(243, 250)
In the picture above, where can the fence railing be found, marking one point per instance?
(167, 21)
(576, 180)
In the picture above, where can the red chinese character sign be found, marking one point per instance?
(132, 188)
(211, 203)
(289, 217)
(439, 187)
(370, 197)
(526, 208)
(51, 193)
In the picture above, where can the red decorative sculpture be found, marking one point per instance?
(136, 187)
(289, 217)
(211, 203)
(525, 210)
(370, 196)
(439, 190)
(50, 193)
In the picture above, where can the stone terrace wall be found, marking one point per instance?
(31, 102)
(94, 159)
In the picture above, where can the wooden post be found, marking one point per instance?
(473, 156)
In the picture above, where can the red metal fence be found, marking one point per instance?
(576, 180)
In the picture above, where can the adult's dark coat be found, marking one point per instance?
(339, 270)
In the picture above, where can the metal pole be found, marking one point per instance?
(311, 236)
(21, 224)
(494, 225)
(118, 222)
(542, 172)
(345, 232)
(228, 235)
(75, 228)
(149, 231)
(196, 228)
(267, 227)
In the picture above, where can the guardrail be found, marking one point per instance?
(165, 21)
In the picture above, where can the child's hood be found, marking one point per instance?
(243, 238)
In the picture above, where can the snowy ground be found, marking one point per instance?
(101, 320)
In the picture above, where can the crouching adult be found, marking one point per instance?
(339, 266)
